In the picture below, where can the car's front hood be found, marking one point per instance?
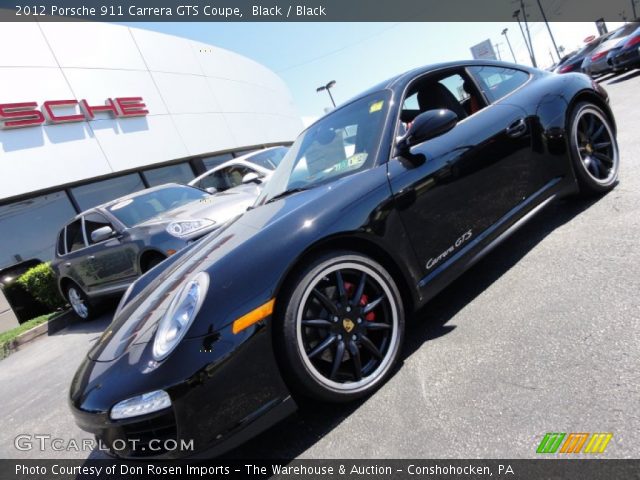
(218, 208)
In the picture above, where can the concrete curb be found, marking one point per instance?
(54, 325)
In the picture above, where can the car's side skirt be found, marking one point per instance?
(435, 281)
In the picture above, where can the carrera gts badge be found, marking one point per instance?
(464, 238)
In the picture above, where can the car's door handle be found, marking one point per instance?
(91, 257)
(68, 264)
(517, 128)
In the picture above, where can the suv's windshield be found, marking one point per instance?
(145, 206)
(339, 144)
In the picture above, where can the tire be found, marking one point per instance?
(79, 301)
(367, 334)
(151, 262)
(594, 150)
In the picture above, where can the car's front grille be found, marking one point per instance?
(146, 438)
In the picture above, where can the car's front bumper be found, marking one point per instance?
(224, 390)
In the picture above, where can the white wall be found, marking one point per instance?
(200, 99)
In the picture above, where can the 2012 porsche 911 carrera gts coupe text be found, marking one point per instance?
(375, 208)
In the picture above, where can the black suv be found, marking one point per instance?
(104, 249)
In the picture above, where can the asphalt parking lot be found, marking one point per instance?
(540, 336)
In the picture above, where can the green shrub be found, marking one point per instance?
(40, 282)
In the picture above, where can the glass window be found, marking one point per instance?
(225, 178)
(75, 239)
(61, 247)
(215, 160)
(92, 222)
(240, 153)
(29, 228)
(180, 173)
(148, 205)
(496, 82)
(269, 158)
(341, 143)
(96, 193)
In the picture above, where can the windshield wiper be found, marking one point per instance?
(286, 193)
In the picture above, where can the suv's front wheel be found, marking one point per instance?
(79, 302)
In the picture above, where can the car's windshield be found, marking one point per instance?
(145, 206)
(341, 143)
(270, 158)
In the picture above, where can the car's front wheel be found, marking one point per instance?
(342, 328)
(79, 302)
(594, 149)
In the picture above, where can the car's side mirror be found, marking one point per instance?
(427, 125)
(102, 234)
(251, 177)
(211, 190)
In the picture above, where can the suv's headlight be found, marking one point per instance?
(185, 228)
(183, 309)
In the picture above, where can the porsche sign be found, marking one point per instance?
(30, 114)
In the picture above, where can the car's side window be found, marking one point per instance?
(497, 82)
(92, 222)
(75, 238)
(455, 92)
(60, 245)
(233, 175)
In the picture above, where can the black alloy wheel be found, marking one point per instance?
(594, 149)
(343, 327)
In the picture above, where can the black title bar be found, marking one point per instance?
(314, 10)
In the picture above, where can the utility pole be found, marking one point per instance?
(504, 32)
(497, 45)
(516, 15)
(633, 6)
(553, 40)
(526, 26)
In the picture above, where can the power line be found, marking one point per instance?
(338, 50)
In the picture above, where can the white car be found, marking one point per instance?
(258, 165)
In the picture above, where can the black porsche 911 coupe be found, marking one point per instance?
(375, 208)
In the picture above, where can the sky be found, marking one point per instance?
(360, 55)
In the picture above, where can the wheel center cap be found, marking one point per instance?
(348, 325)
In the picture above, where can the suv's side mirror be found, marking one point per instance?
(211, 190)
(251, 177)
(427, 125)
(102, 234)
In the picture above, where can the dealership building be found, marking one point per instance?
(90, 112)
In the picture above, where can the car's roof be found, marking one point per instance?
(400, 80)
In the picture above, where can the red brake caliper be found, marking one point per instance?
(364, 299)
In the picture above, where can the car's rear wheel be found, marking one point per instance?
(342, 327)
(594, 149)
(79, 302)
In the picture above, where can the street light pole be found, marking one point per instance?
(553, 40)
(526, 26)
(497, 45)
(633, 6)
(504, 32)
(328, 88)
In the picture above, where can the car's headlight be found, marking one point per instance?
(141, 405)
(183, 309)
(185, 228)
